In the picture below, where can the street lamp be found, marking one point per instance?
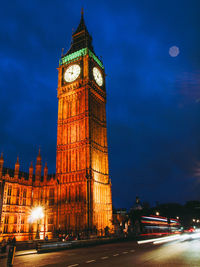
(157, 213)
(37, 214)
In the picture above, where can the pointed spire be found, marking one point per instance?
(45, 172)
(62, 52)
(17, 167)
(38, 167)
(31, 166)
(1, 159)
(39, 158)
(80, 38)
(81, 26)
(31, 171)
(17, 162)
(45, 168)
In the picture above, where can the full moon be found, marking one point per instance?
(174, 51)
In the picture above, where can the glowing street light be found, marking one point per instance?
(37, 214)
(157, 213)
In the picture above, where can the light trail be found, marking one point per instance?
(156, 239)
(165, 239)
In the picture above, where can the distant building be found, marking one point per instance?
(137, 205)
(120, 220)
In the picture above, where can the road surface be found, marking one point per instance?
(176, 253)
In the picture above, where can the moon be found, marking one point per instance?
(174, 51)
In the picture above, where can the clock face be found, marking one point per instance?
(72, 73)
(98, 76)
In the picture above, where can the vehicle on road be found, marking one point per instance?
(153, 225)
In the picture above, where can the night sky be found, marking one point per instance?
(153, 99)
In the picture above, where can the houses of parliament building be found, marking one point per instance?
(78, 197)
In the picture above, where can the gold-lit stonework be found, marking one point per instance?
(78, 198)
(19, 193)
(82, 151)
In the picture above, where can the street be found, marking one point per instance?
(176, 253)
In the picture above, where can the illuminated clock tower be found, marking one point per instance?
(84, 186)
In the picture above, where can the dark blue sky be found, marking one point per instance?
(153, 100)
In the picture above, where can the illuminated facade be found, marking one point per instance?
(19, 192)
(79, 198)
(82, 152)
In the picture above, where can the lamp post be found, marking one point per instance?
(37, 214)
(37, 232)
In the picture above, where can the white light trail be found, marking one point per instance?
(167, 239)
(156, 239)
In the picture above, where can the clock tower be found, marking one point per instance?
(84, 186)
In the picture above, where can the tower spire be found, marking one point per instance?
(45, 172)
(39, 158)
(81, 26)
(31, 171)
(38, 167)
(17, 167)
(81, 37)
